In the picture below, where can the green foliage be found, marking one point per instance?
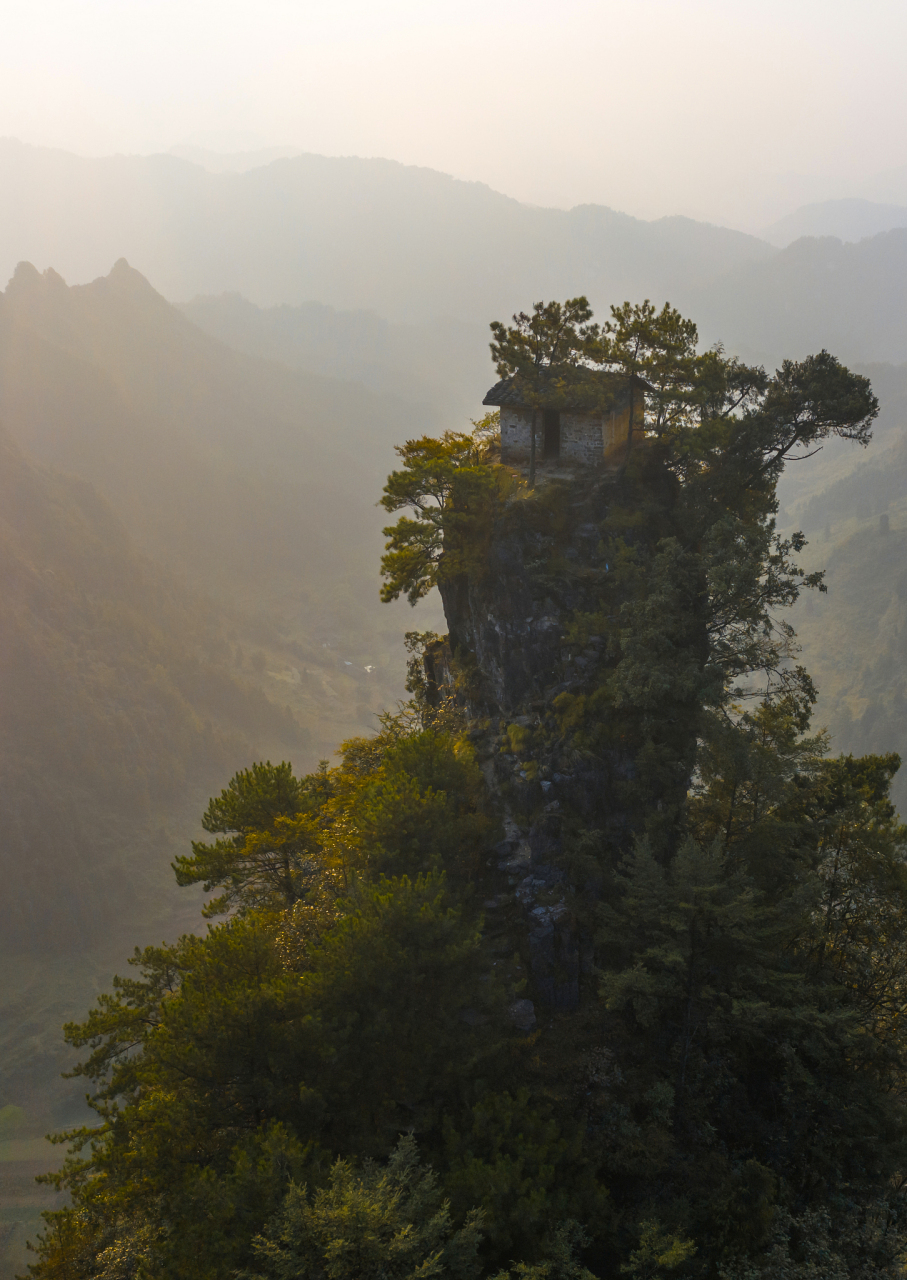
(253, 799)
(321, 1026)
(737, 1037)
(539, 349)
(271, 858)
(451, 486)
(395, 986)
(383, 1223)
(559, 1261)
(519, 737)
(524, 1169)
(244, 1051)
(733, 1077)
(410, 800)
(658, 1252)
(757, 771)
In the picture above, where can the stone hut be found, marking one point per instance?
(566, 433)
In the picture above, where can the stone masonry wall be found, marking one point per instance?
(586, 438)
(582, 437)
(516, 430)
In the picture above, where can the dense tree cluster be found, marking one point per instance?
(327, 1084)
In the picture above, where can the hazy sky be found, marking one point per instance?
(719, 108)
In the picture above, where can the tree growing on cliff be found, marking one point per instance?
(451, 488)
(300, 1029)
(268, 851)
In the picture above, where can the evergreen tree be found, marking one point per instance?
(270, 856)
(387, 1222)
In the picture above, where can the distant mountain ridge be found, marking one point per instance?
(848, 219)
(848, 298)
(410, 243)
(231, 161)
(193, 442)
(419, 248)
(444, 364)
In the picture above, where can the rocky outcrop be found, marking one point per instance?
(538, 630)
(546, 560)
(509, 658)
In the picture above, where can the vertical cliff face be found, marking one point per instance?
(534, 639)
(547, 561)
(514, 656)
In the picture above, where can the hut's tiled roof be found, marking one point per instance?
(505, 392)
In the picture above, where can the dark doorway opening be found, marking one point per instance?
(551, 421)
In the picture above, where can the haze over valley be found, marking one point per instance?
(211, 345)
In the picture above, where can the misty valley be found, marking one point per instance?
(481, 769)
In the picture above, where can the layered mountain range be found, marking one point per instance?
(414, 246)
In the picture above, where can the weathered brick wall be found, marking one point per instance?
(586, 438)
(516, 428)
(581, 438)
(589, 439)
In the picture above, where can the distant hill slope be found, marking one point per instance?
(855, 638)
(853, 509)
(848, 219)
(444, 363)
(123, 706)
(120, 704)
(256, 482)
(848, 298)
(407, 242)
